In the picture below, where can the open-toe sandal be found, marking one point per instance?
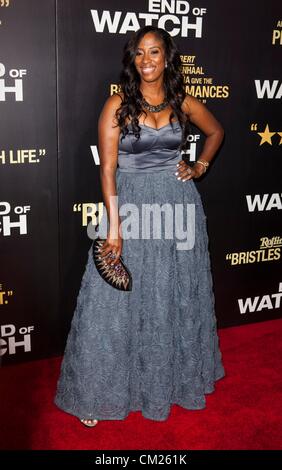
(90, 423)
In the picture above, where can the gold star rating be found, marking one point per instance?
(266, 135)
(280, 134)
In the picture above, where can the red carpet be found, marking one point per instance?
(243, 413)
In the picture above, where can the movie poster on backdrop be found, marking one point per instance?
(52, 89)
(29, 271)
(220, 67)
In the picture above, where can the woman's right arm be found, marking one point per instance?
(108, 139)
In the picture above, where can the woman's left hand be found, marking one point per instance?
(186, 172)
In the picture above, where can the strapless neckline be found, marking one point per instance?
(157, 129)
(156, 150)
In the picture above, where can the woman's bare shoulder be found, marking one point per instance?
(109, 111)
(120, 94)
(113, 102)
(190, 104)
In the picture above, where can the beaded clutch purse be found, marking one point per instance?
(117, 276)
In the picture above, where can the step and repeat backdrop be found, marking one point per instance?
(59, 61)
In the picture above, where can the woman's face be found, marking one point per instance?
(150, 58)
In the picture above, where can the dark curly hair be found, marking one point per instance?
(131, 106)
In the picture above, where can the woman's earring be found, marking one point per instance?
(165, 64)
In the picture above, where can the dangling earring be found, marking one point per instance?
(165, 64)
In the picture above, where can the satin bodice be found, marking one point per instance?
(156, 150)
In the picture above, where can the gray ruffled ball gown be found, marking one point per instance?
(157, 345)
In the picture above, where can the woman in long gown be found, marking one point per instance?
(156, 345)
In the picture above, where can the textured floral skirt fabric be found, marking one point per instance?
(154, 346)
